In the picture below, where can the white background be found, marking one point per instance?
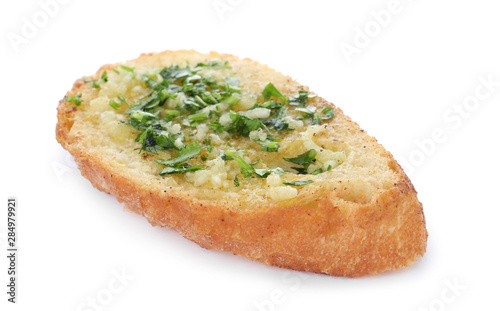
(401, 85)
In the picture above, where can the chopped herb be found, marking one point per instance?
(186, 153)
(215, 64)
(277, 120)
(141, 120)
(114, 104)
(208, 144)
(231, 84)
(317, 171)
(148, 140)
(271, 90)
(263, 173)
(298, 183)
(175, 73)
(104, 76)
(97, 83)
(127, 68)
(195, 119)
(123, 99)
(193, 78)
(75, 99)
(248, 170)
(181, 169)
(270, 104)
(300, 99)
(236, 182)
(166, 142)
(218, 128)
(171, 114)
(310, 112)
(209, 98)
(305, 159)
(328, 112)
(320, 170)
(316, 119)
(116, 71)
(241, 125)
(231, 100)
(269, 144)
(177, 166)
(228, 155)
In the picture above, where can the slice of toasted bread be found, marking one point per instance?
(357, 213)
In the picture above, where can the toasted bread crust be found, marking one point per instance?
(320, 235)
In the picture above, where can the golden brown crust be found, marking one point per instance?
(322, 235)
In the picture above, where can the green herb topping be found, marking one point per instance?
(185, 98)
(305, 159)
(177, 166)
(97, 83)
(298, 183)
(75, 99)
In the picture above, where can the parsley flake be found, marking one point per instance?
(305, 159)
(298, 183)
(75, 99)
(271, 90)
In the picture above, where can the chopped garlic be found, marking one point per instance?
(178, 143)
(225, 119)
(174, 129)
(294, 124)
(215, 174)
(258, 135)
(282, 193)
(178, 101)
(273, 180)
(216, 139)
(246, 102)
(258, 113)
(201, 132)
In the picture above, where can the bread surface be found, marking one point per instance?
(362, 217)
